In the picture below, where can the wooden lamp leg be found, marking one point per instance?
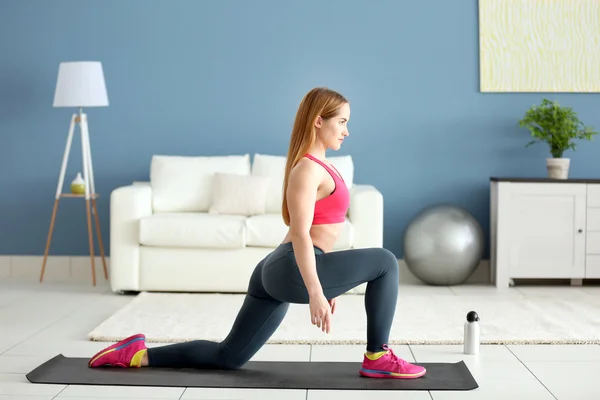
(61, 179)
(49, 240)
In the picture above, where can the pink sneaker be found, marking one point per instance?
(388, 365)
(126, 353)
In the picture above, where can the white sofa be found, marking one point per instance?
(201, 224)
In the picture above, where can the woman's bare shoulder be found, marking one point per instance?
(305, 166)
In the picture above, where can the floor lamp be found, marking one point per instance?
(80, 84)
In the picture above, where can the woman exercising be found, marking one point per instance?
(302, 269)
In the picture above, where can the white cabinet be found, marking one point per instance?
(544, 229)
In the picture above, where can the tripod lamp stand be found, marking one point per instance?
(80, 84)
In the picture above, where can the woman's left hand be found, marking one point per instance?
(332, 304)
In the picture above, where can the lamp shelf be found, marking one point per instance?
(92, 195)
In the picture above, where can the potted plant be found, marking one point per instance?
(559, 127)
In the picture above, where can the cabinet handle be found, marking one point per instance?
(581, 230)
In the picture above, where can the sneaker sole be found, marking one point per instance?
(117, 346)
(370, 373)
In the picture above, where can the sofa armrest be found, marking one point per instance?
(366, 215)
(128, 204)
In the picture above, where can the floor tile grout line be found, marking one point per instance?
(417, 362)
(309, 360)
(59, 393)
(412, 352)
(531, 372)
(12, 302)
(182, 393)
(48, 326)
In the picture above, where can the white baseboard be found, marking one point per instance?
(60, 268)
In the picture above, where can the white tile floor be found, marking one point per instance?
(38, 321)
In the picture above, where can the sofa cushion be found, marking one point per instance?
(184, 183)
(193, 230)
(274, 167)
(269, 230)
(236, 194)
(266, 230)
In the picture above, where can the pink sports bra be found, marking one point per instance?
(332, 209)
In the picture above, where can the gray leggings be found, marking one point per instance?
(275, 283)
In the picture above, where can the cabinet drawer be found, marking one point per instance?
(593, 195)
(592, 266)
(593, 219)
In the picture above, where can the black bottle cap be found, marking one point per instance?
(472, 316)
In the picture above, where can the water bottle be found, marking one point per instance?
(471, 343)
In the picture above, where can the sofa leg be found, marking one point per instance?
(127, 292)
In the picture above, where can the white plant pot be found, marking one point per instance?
(558, 168)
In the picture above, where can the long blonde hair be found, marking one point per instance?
(321, 102)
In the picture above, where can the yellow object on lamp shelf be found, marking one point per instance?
(78, 185)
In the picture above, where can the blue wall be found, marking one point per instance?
(216, 77)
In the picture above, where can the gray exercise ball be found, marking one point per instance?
(443, 245)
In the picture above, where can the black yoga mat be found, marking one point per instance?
(255, 374)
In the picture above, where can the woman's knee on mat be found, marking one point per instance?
(232, 362)
(229, 359)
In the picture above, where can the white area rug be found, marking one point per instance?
(420, 319)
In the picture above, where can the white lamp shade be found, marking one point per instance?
(80, 84)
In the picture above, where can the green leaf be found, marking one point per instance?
(556, 126)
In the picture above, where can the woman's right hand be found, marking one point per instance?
(320, 312)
